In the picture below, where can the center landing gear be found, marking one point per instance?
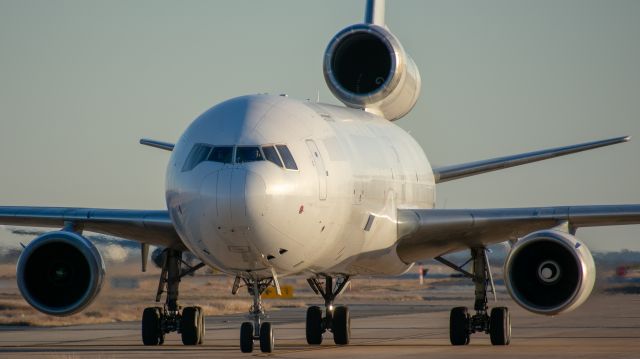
(158, 321)
(256, 329)
(336, 320)
(461, 323)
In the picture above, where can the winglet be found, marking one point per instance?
(157, 144)
(448, 173)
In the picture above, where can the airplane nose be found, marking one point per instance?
(233, 197)
(230, 198)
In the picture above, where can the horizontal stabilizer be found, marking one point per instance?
(448, 173)
(157, 144)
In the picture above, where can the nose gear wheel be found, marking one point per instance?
(256, 329)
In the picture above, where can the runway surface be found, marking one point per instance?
(607, 326)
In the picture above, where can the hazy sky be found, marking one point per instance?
(82, 81)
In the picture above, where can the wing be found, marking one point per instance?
(151, 227)
(448, 173)
(428, 233)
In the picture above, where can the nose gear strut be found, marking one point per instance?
(256, 329)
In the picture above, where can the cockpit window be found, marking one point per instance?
(289, 162)
(277, 154)
(271, 154)
(222, 154)
(248, 154)
(198, 154)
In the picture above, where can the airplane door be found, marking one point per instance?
(320, 169)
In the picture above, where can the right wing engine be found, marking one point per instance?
(60, 273)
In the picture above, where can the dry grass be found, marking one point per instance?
(212, 292)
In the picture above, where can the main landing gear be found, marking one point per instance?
(336, 319)
(158, 321)
(256, 329)
(461, 323)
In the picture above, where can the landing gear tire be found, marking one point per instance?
(341, 325)
(267, 341)
(190, 326)
(314, 325)
(246, 337)
(500, 326)
(201, 326)
(151, 331)
(459, 326)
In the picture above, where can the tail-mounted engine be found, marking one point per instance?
(60, 273)
(366, 67)
(549, 272)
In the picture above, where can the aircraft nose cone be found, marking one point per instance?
(234, 196)
(230, 199)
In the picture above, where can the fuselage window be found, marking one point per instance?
(289, 162)
(199, 153)
(271, 154)
(248, 154)
(222, 154)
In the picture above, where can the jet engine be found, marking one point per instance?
(366, 67)
(60, 273)
(549, 272)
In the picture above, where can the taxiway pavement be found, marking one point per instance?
(607, 326)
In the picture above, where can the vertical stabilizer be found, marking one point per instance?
(374, 13)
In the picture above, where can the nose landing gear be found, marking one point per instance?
(256, 329)
(337, 319)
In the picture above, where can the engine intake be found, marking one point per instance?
(60, 273)
(549, 272)
(366, 67)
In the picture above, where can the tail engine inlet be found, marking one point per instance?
(60, 273)
(366, 67)
(549, 272)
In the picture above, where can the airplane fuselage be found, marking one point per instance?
(242, 205)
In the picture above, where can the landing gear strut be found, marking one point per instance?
(256, 329)
(461, 323)
(158, 321)
(336, 319)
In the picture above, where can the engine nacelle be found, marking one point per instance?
(366, 67)
(549, 272)
(60, 273)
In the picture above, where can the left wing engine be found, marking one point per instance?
(549, 272)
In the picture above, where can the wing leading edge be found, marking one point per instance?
(448, 173)
(428, 233)
(145, 226)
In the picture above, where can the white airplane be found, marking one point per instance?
(261, 187)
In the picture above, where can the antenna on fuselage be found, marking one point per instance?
(374, 13)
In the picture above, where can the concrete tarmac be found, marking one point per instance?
(607, 326)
